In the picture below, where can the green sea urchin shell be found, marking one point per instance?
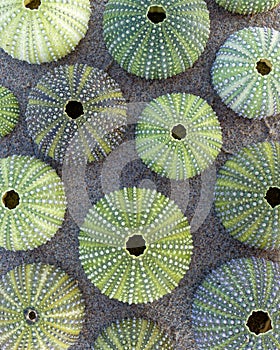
(131, 334)
(135, 245)
(79, 107)
(42, 31)
(247, 195)
(178, 135)
(32, 203)
(246, 72)
(238, 307)
(156, 40)
(9, 111)
(247, 7)
(41, 307)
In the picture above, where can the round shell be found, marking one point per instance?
(246, 72)
(156, 40)
(247, 195)
(238, 307)
(178, 135)
(39, 31)
(32, 203)
(9, 111)
(135, 245)
(247, 7)
(41, 307)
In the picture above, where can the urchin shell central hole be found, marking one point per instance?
(259, 322)
(74, 109)
(136, 245)
(264, 66)
(273, 196)
(10, 199)
(32, 4)
(31, 315)
(156, 14)
(179, 132)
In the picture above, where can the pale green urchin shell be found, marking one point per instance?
(131, 334)
(247, 195)
(32, 203)
(9, 111)
(135, 245)
(76, 107)
(247, 7)
(246, 72)
(39, 31)
(156, 40)
(41, 307)
(178, 135)
(238, 307)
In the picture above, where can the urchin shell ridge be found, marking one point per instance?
(247, 7)
(9, 111)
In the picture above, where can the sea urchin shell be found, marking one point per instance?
(9, 111)
(247, 7)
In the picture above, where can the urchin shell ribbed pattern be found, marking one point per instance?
(178, 158)
(227, 298)
(9, 111)
(130, 334)
(107, 228)
(242, 185)
(40, 211)
(42, 34)
(246, 7)
(93, 133)
(236, 77)
(52, 296)
(156, 50)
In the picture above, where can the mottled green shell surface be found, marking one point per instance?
(9, 111)
(247, 7)
(32, 203)
(247, 195)
(246, 72)
(39, 31)
(41, 307)
(156, 40)
(131, 334)
(76, 109)
(135, 245)
(178, 135)
(238, 307)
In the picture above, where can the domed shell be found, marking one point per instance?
(248, 7)
(9, 111)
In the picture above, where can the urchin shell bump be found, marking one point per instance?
(76, 109)
(133, 333)
(247, 7)
(32, 203)
(247, 195)
(39, 31)
(178, 135)
(41, 307)
(246, 72)
(9, 111)
(156, 40)
(135, 245)
(238, 306)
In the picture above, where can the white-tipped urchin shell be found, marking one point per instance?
(135, 245)
(131, 334)
(246, 72)
(39, 31)
(32, 203)
(247, 7)
(178, 135)
(238, 307)
(41, 307)
(76, 109)
(247, 195)
(156, 40)
(9, 111)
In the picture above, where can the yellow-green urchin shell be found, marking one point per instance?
(41, 307)
(131, 334)
(32, 203)
(79, 107)
(246, 72)
(156, 40)
(39, 31)
(178, 135)
(247, 7)
(247, 195)
(238, 307)
(9, 111)
(135, 245)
